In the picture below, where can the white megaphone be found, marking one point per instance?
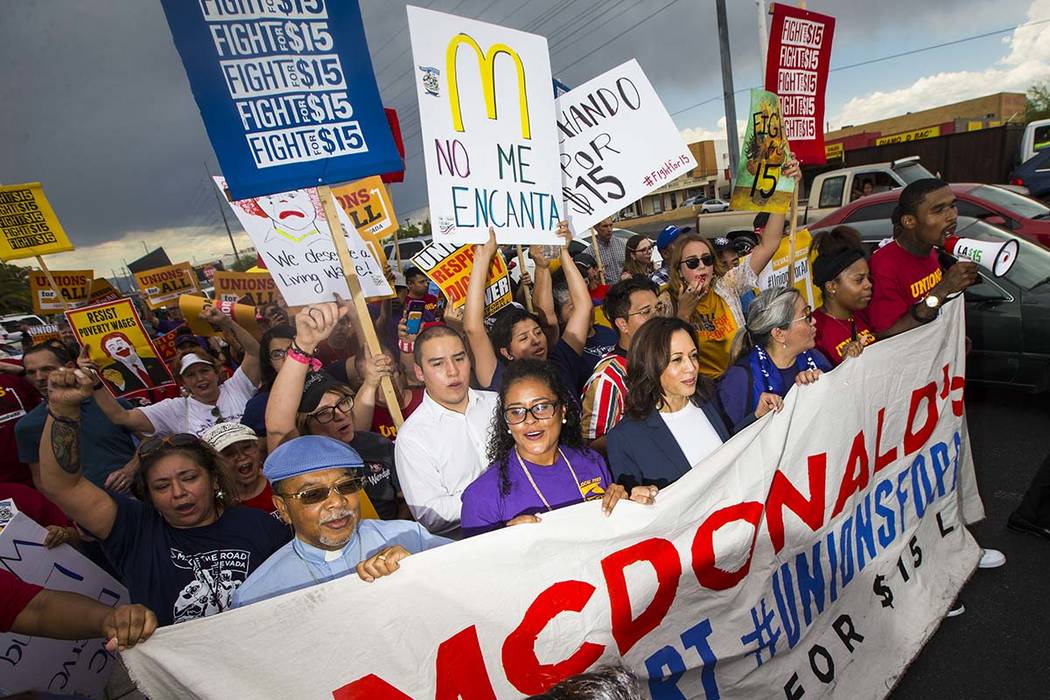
(995, 256)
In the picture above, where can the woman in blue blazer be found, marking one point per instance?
(672, 418)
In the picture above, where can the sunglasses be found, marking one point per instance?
(152, 445)
(707, 260)
(327, 415)
(541, 411)
(315, 494)
(807, 315)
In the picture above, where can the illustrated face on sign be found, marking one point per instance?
(290, 211)
(118, 346)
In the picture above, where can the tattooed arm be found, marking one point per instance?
(59, 476)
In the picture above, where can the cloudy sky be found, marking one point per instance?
(96, 105)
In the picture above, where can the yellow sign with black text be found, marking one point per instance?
(903, 137)
(161, 286)
(74, 286)
(259, 287)
(28, 225)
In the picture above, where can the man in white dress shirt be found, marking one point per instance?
(442, 446)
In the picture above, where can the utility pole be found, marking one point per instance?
(763, 38)
(727, 87)
(222, 213)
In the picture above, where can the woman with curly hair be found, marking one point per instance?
(539, 459)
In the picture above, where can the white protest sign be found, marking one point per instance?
(618, 144)
(54, 665)
(489, 142)
(290, 232)
(816, 551)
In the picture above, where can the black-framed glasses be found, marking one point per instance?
(643, 250)
(315, 494)
(327, 414)
(278, 354)
(151, 445)
(541, 411)
(694, 261)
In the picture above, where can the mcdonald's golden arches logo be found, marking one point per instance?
(487, 66)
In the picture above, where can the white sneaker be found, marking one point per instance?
(957, 609)
(991, 559)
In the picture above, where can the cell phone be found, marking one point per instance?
(414, 316)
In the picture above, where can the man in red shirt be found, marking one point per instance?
(910, 287)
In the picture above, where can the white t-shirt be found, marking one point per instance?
(693, 432)
(186, 414)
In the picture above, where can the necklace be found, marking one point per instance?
(536, 488)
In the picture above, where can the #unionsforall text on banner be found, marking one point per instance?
(487, 164)
(604, 164)
(286, 91)
(811, 555)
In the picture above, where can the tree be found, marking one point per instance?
(1037, 106)
(14, 290)
(243, 263)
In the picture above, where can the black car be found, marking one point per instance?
(1008, 317)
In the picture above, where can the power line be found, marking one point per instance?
(645, 19)
(565, 39)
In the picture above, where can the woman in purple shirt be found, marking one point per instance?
(539, 459)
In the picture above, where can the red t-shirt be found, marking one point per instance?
(900, 279)
(35, 505)
(15, 595)
(834, 334)
(383, 422)
(17, 398)
(263, 502)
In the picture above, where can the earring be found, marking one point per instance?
(563, 421)
(508, 431)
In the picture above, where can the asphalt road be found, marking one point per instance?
(1000, 647)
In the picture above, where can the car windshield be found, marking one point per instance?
(1016, 204)
(910, 172)
(1032, 267)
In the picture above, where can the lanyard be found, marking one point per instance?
(536, 488)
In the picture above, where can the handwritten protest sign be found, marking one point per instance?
(482, 170)
(775, 273)
(604, 163)
(291, 234)
(449, 266)
(815, 551)
(161, 286)
(102, 291)
(759, 185)
(117, 342)
(191, 306)
(42, 334)
(234, 286)
(28, 225)
(799, 57)
(74, 285)
(69, 668)
(286, 91)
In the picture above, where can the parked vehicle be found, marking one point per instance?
(711, 206)
(1008, 317)
(1034, 174)
(990, 203)
(837, 188)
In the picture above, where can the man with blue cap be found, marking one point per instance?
(664, 241)
(315, 482)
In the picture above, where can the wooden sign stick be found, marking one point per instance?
(397, 252)
(791, 236)
(358, 297)
(597, 255)
(527, 292)
(51, 281)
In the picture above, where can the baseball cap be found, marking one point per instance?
(584, 261)
(309, 453)
(317, 384)
(223, 435)
(190, 360)
(742, 241)
(669, 234)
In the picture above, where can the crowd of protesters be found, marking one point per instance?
(279, 465)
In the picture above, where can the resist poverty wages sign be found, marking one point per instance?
(797, 69)
(74, 286)
(53, 665)
(489, 140)
(813, 554)
(448, 266)
(290, 232)
(28, 225)
(605, 164)
(286, 91)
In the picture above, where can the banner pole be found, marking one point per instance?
(597, 255)
(791, 236)
(358, 298)
(528, 288)
(51, 281)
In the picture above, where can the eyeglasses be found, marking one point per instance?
(541, 411)
(643, 250)
(694, 262)
(315, 494)
(648, 310)
(807, 315)
(278, 354)
(327, 415)
(152, 445)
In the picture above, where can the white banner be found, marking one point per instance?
(54, 665)
(290, 232)
(814, 552)
(489, 143)
(605, 163)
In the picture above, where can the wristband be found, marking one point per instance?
(405, 346)
(296, 355)
(61, 419)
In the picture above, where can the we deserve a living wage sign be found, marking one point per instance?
(812, 555)
(286, 91)
(489, 141)
(605, 165)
